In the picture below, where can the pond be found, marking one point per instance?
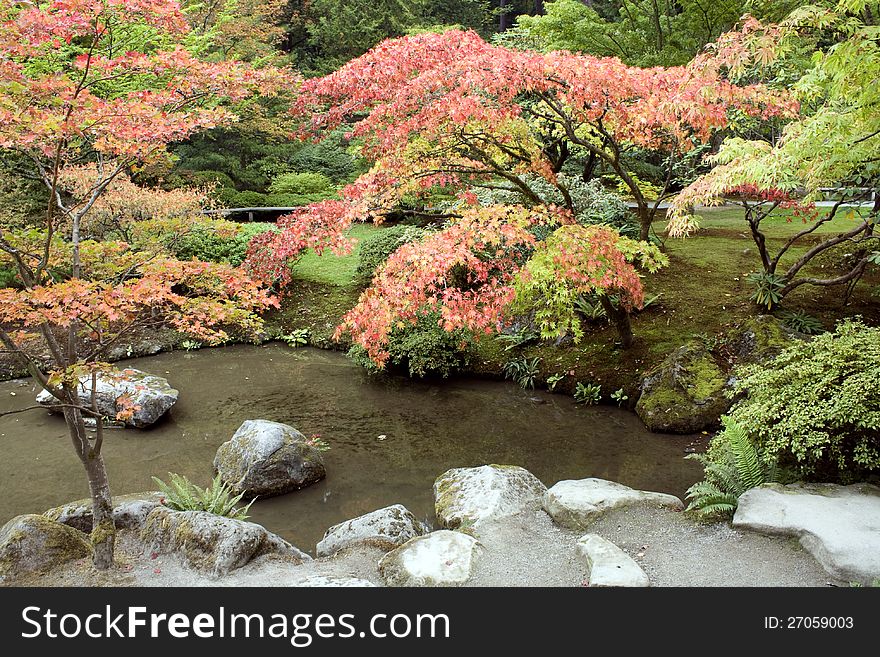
(390, 437)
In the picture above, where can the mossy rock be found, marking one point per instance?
(129, 511)
(686, 393)
(760, 338)
(213, 544)
(33, 543)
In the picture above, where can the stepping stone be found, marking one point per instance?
(576, 504)
(838, 525)
(441, 558)
(473, 496)
(385, 528)
(608, 565)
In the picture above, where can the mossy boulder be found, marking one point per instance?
(385, 528)
(266, 458)
(33, 543)
(473, 496)
(213, 544)
(129, 511)
(686, 393)
(441, 558)
(760, 338)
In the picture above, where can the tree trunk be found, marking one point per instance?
(103, 526)
(644, 222)
(503, 16)
(620, 317)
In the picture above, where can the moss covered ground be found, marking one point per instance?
(703, 294)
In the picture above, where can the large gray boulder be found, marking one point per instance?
(210, 543)
(838, 525)
(441, 558)
(473, 496)
(608, 565)
(33, 543)
(576, 504)
(129, 511)
(385, 528)
(686, 393)
(151, 396)
(266, 458)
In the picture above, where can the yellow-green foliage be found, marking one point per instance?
(816, 406)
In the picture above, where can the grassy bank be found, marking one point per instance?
(703, 293)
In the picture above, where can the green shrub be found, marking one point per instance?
(205, 244)
(248, 200)
(202, 178)
(801, 322)
(589, 393)
(816, 406)
(522, 370)
(9, 277)
(375, 250)
(422, 349)
(302, 183)
(183, 495)
(732, 465)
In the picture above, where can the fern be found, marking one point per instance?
(732, 466)
(183, 495)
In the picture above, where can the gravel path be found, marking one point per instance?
(527, 550)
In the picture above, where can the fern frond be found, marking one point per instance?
(749, 468)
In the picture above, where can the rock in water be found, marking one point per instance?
(473, 496)
(441, 558)
(686, 393)
(608, 565)
(838, 525)
(33, 543)
(577, 503)
(210, 543)
(150, 395)
(129, 511)
(266, 458)
(385, 528)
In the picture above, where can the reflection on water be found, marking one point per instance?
(427, 428)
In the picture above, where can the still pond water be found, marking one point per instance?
(389, 437)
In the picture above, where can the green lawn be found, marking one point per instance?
(329, 269)
(781, 224)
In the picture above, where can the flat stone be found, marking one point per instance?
(129, 511)
(838, 525)
(33, 543)
(608, 565)
(267, 458)
(441, 558)
(472, 496)
(151, 396)
(384, 528)
(210, 543)
(334, 581)
(578, 503)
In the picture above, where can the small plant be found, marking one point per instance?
(590, 308)
(732, 466)
(553, 380)
(768, 289)
(183, 495)
(619, 396)
(589, 393)
(519, 338)
(522, 370)
(191, 345)
(318, 443)
(296, 338)
(801, 322)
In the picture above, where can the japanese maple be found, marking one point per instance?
(69, 94)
